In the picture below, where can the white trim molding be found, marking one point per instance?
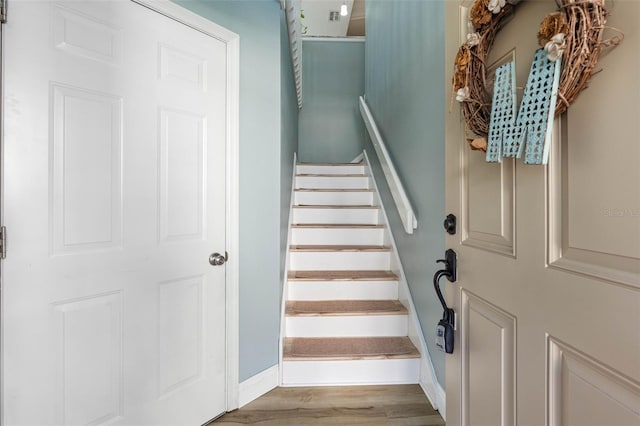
(285, 286)
(405, 210)
(184, 16)
(232, 41)
(428, 380)
(232, 219)
(256, 386)
(434, 391)
(358, 159)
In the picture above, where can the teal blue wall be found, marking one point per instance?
(404, 71)
(289, 136)
(258, 24)
(330, 126)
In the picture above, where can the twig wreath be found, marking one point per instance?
(573, 34)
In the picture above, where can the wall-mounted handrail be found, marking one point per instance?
(294, 26)
(407, 216)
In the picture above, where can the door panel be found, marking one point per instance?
(594, 202)
(182, 149)
(561, 312)
(89, 350)
(180, 348)
(488, 199)
(114, 177)
(86, 189)
(491, 332)
(574, 378)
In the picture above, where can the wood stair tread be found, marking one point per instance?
(324, 206)
(348, 348)
(336, 226)
(374, 275)
(347, 175)
(359, 163)
(345, 308)
(333, 190)
(340, 248)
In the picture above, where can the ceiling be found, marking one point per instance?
(316, 22)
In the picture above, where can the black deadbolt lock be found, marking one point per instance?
(450, 224)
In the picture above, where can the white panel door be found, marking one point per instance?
(548, 291)
(114, 177)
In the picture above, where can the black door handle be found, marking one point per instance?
(446, 326)
(450, 265)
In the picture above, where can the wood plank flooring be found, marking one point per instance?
(392, 405)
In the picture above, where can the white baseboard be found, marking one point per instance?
(256, 386)
(442, 402)
(433, 390)
(428, 380)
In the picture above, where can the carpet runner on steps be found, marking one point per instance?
(345, 307)
(351, 348)
(310, 247)
(337, 226)
(341, 275)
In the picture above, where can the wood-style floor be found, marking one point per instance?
(344, 405)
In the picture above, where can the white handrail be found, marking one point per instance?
(294, 26)
(407, 216)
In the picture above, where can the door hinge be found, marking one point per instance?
(3, 13)
(3, 242)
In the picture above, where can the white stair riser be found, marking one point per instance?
(346, 372)
(356, 372)
(331, 182)
(340, 261)
(333, 216)
(337, 236)
(347, 326)
(308, 198)
(342, 290)
(316, 169)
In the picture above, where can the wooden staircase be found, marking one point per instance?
(344, 323)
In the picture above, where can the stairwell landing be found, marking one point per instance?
(344, 320)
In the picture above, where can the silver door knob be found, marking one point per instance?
(216, 259)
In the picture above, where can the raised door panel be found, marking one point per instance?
(488, 346)
(86, 170)
(89, 359)
(584, 391)
(487, 190)
(594, 201)
(183, 68)
(180, 333)
(86, 36)
(489, 203)
(182, 175)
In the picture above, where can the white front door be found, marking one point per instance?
(548, 291)
(114, 198)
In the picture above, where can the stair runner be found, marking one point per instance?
(344, 323)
